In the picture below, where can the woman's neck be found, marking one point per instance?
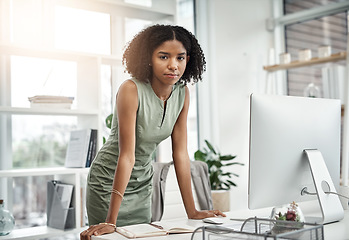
(163, 92)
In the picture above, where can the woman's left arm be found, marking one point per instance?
(182, 164)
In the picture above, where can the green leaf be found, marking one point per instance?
(109, 120)
(226, 157)
(198, 155)
(217, 164)
(227, 186)
(231, 183)
(236, 175)
(219, 179)
(227, 174)
(210, 147)
(233, 163)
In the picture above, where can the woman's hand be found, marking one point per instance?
(96, 230)
(206, 214)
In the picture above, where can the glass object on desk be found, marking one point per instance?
(288, 218)
(312, 91)
(7, 221)
(289, 212)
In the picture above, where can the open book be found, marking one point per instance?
(152, 230)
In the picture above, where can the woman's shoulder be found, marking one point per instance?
(137, 83)
(128, 86)
(182, 89)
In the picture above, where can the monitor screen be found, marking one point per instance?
(281, 127)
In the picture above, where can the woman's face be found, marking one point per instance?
(169, 61)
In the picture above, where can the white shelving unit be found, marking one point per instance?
(88, 109)
(47, 111)
(73, 176)
(39, 233)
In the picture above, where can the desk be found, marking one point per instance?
(333, 231)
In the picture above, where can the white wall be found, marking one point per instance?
(237, 45)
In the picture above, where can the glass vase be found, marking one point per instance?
(7, 221)
(312, 91)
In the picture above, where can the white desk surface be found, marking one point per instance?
(338, 230)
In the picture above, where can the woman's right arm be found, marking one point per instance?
(126, 104)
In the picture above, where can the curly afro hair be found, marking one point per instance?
(138, 53)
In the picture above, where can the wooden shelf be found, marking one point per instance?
(296, 64)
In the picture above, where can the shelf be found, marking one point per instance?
(159, 10)
(59, 54)
(46, 111)
(296, 64)
(41, 171)
(39, 233)
(129, 6)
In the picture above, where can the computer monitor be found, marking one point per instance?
(281, 129)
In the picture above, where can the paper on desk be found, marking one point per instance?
(225, 222)
(235, 225)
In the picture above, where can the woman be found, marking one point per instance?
(150, 107)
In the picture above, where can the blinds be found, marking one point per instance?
(329, 30)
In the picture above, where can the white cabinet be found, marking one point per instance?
(75, 176)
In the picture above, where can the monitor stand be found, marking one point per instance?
(330, 205)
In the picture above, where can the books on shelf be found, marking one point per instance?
(82, 148)
(153, 230)
(51, 101)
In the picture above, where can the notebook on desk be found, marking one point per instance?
(153, 230)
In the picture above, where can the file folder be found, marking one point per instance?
(60, 214)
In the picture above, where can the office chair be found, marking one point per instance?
(165, 184)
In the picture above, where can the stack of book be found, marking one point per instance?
(82, 148)
(51, 101)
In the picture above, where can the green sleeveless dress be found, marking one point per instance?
(154, 123)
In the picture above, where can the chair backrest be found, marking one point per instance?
(167, 201)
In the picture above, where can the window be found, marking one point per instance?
(322, 23)
(294, 6)
(29, 201)
(327, 30)
(40, 76)
(40, 141)
(133, 26)
(81, 30)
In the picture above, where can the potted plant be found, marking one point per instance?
(220, 179)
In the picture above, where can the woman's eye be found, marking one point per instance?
(181, 58)
(163, 57)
